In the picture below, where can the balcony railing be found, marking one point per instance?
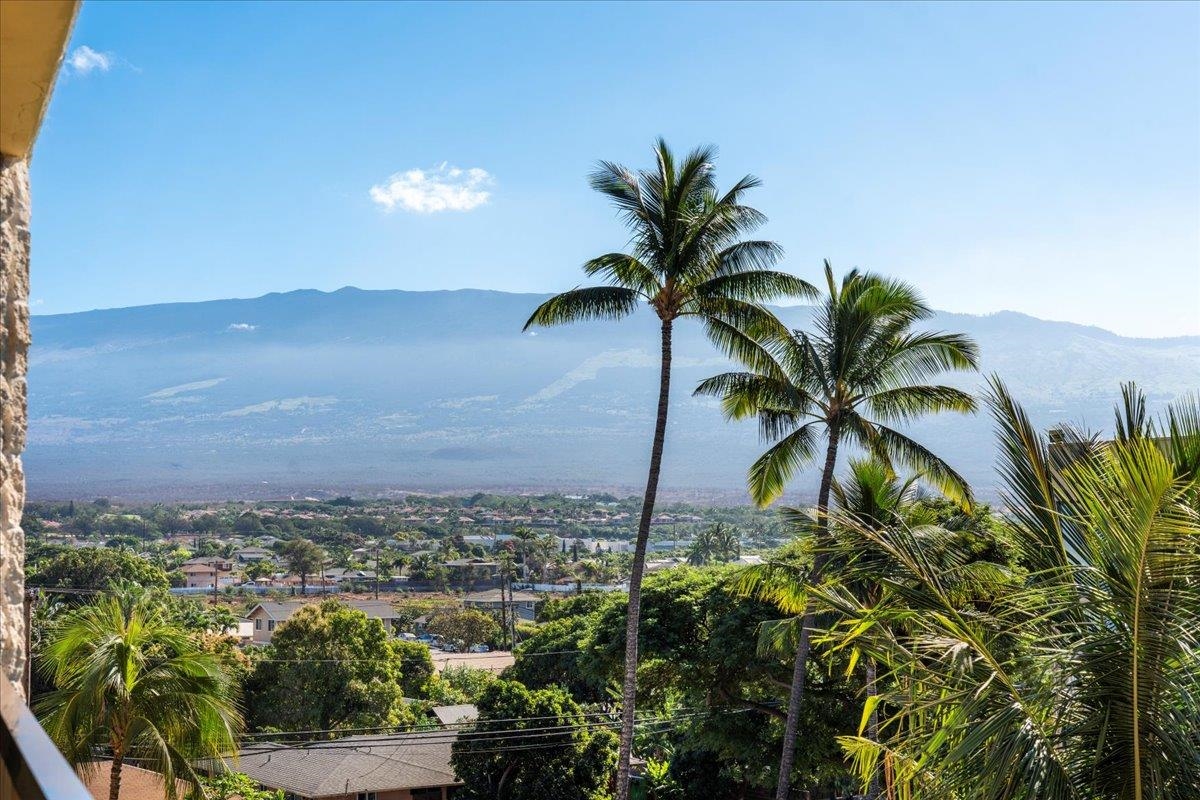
(33, 769)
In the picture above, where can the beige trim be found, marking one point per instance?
(33, 40)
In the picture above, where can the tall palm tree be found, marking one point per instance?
(130, 682)
(862, 370)
(687, 258)
(1080, 679)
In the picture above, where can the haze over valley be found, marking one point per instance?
(309, 392)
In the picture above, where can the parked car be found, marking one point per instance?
(479, 648)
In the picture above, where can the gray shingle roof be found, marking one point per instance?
(375, 764)
(377, 609)
(449, 715)
(493, 596)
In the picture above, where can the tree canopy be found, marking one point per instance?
(548, 748)
(97, 568)
(328, 667)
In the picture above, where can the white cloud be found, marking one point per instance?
(84, 59)
(241, 326)
(286, 404)
(444, 188)
(194, 386)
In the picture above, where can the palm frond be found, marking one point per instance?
(770, 473)
(595, 302)
(625, 270)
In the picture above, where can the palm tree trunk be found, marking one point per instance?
(114, 775)
(633, 615)
(874, 786)
(786, 759)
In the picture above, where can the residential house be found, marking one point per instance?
(524, 603)
(408, 766)
(250, 554)
(267, 616)
(340, 575)
(206, 573)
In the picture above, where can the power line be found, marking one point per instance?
(392, 729)
(417, 739)
(465, 728)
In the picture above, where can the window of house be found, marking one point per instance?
(369, 796)
(258, 624)
(433, 793)
(270, 624)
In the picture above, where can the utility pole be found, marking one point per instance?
(376, 569)
(512, 619)
(503, 612)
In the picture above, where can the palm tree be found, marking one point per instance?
(872, 496)
(129, 681)
(862, 370)
(726, 542)
(1079, 678)
(688, 258)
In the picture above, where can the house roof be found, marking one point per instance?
(136, 783)
(377, 609)
(493, 596)
(198, 568)
(450, 715)
(472, 562)
(378, 764)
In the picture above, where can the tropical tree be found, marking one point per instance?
(464, 627)
(862, 370)
(529, 745)
(329, 667)
(688, 258)
(1080, 678)
(303, 559)
(97, 568)
(130, 682)
(871, 496)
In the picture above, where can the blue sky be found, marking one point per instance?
(1038, 158)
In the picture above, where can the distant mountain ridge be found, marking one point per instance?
(374, 391)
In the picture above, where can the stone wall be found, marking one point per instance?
(14, 349)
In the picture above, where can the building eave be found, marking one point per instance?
(33, 40)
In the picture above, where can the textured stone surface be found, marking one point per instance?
(14, 349)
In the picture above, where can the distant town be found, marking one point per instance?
(421, 543)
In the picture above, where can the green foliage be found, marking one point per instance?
(97, 568)
(551, 657)
(560, 755)
(699, 649)
(130, 681)
(860, 373)
(329, 667)
(1106, 605)
(416, 667)
(461, 684)
(303, 559)
(464, 627)
(236, 786)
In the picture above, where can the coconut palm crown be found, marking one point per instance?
(687, 257)
(132, 685)
(862, 371)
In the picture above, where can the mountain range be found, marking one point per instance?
(355, 391)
